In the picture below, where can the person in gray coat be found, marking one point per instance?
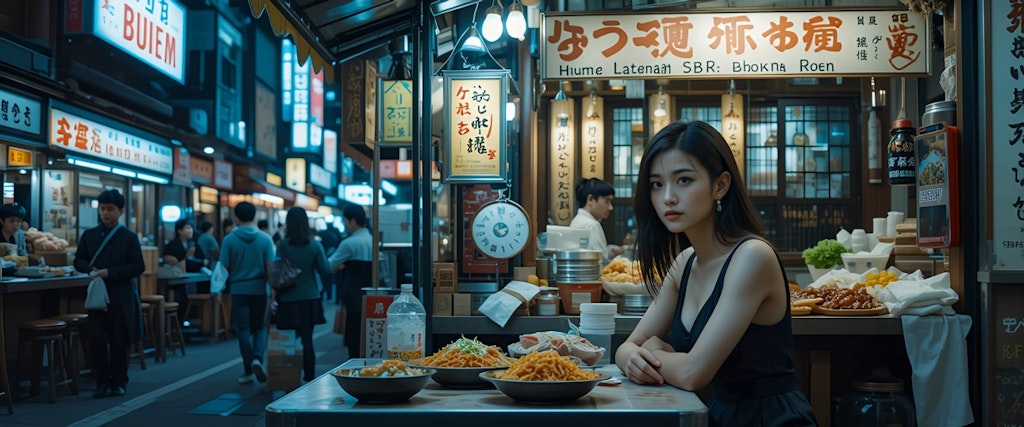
(120, 263)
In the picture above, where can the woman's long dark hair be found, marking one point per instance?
(656, 247)
(297, 226)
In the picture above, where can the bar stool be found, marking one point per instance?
(175, 338)
(139, 348)
(39, 336)
(157, 327)
(207, 308)
(73, 348)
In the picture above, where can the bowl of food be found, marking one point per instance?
(459, 364)
(390, 381)
(544, 378)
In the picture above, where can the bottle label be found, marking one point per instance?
(902, 163)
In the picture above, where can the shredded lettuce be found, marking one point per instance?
(469, 346)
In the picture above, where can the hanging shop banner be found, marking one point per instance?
(331, 151)
(19, 112)
(1007, 171)
(562, 164)
(201, 170)
(320, 177)
(265, 128)
(396, 112)
(182, 167)
(592, 138)
(80, 135)
(303, 100)
(222, 174)
(474, 111)
(732, 127)
(358, 107)
(769, 44)
(152, 31)
(295, 174)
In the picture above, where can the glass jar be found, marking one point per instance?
(902, 163)
(547, 302)
(876, 402)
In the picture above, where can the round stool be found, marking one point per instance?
(175, 338)
(156, 328)
(45, 335)
(75, 351)
(139, 348)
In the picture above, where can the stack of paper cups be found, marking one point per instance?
(597, 325)
(879, 226)
(892, 220)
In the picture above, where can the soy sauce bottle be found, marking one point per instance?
(902, 163)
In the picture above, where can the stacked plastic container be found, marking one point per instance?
(597, 325)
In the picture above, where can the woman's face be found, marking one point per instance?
(185, 232)
(680, 191)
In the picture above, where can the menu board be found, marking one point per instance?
(1005, 79)
(475, 139)
(58, 205)
(375, 325)
(1007, 353)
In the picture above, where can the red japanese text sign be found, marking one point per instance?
(721, 44)
(474, 111)
(81, 135)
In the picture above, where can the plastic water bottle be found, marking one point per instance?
(407, 326)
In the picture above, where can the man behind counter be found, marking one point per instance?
(594, 198)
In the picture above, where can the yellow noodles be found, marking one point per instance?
(547, 366)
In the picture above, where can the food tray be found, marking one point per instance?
(850, 312)
(38, 272)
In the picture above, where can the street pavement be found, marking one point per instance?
(198, 389)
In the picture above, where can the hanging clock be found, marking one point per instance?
(501, 229)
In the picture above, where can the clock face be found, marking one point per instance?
(501, 230)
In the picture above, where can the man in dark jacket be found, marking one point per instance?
(119, 263)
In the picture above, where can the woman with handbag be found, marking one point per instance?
(299, 306)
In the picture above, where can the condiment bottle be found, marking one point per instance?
(902, 164)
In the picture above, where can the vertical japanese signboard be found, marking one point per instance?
(474, 112)
(592, 138)
(303, 100)
(562, 162)
(396, 112)
(1007, 179)
(359, 103)
(732, 127)
(720, 44)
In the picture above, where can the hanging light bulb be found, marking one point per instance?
(515, 24)
(561, 103)
(473, 40)
(492, 26)
(660, 111)
(592, 110)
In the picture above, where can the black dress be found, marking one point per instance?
(756, 385)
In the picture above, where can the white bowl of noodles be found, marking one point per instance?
(544, 378)
(459, 364)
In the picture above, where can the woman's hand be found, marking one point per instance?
(642, 367)
(656, 343)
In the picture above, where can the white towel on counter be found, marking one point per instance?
(913, 294)
(937, 349)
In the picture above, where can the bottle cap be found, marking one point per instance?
(902, 123)
(406, 286)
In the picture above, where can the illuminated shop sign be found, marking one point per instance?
(303, 100)
(474, 110)
(151, 30)
(19, 113)
(80, 135)
(295, 174)
(331, 150)
(762, 44)
(320, 177)
(396, 112)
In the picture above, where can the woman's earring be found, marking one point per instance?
(718, 206)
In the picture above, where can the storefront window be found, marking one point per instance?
(59, 200)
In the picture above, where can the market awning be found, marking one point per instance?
(246, 184)
(333, 31)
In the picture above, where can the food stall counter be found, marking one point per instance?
(323, 402)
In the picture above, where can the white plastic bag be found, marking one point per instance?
(96, 297)
(218, 279)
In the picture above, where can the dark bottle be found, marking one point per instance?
(902, 163)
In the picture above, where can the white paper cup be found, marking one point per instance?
(879, 226)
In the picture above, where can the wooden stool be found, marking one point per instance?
(207, 308)
(139, 348)
(73, 348)
(48, 335)
(175, 338)
(157, 327)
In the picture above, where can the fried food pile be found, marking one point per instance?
(622, 270)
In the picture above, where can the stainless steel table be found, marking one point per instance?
(323, 402)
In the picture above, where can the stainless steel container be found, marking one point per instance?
(575, 266)
(941, 111)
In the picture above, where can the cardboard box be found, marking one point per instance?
(53, 259)
(462, 304)
(283, 342)
(284, 372)
(443, 303)
(444, 277)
